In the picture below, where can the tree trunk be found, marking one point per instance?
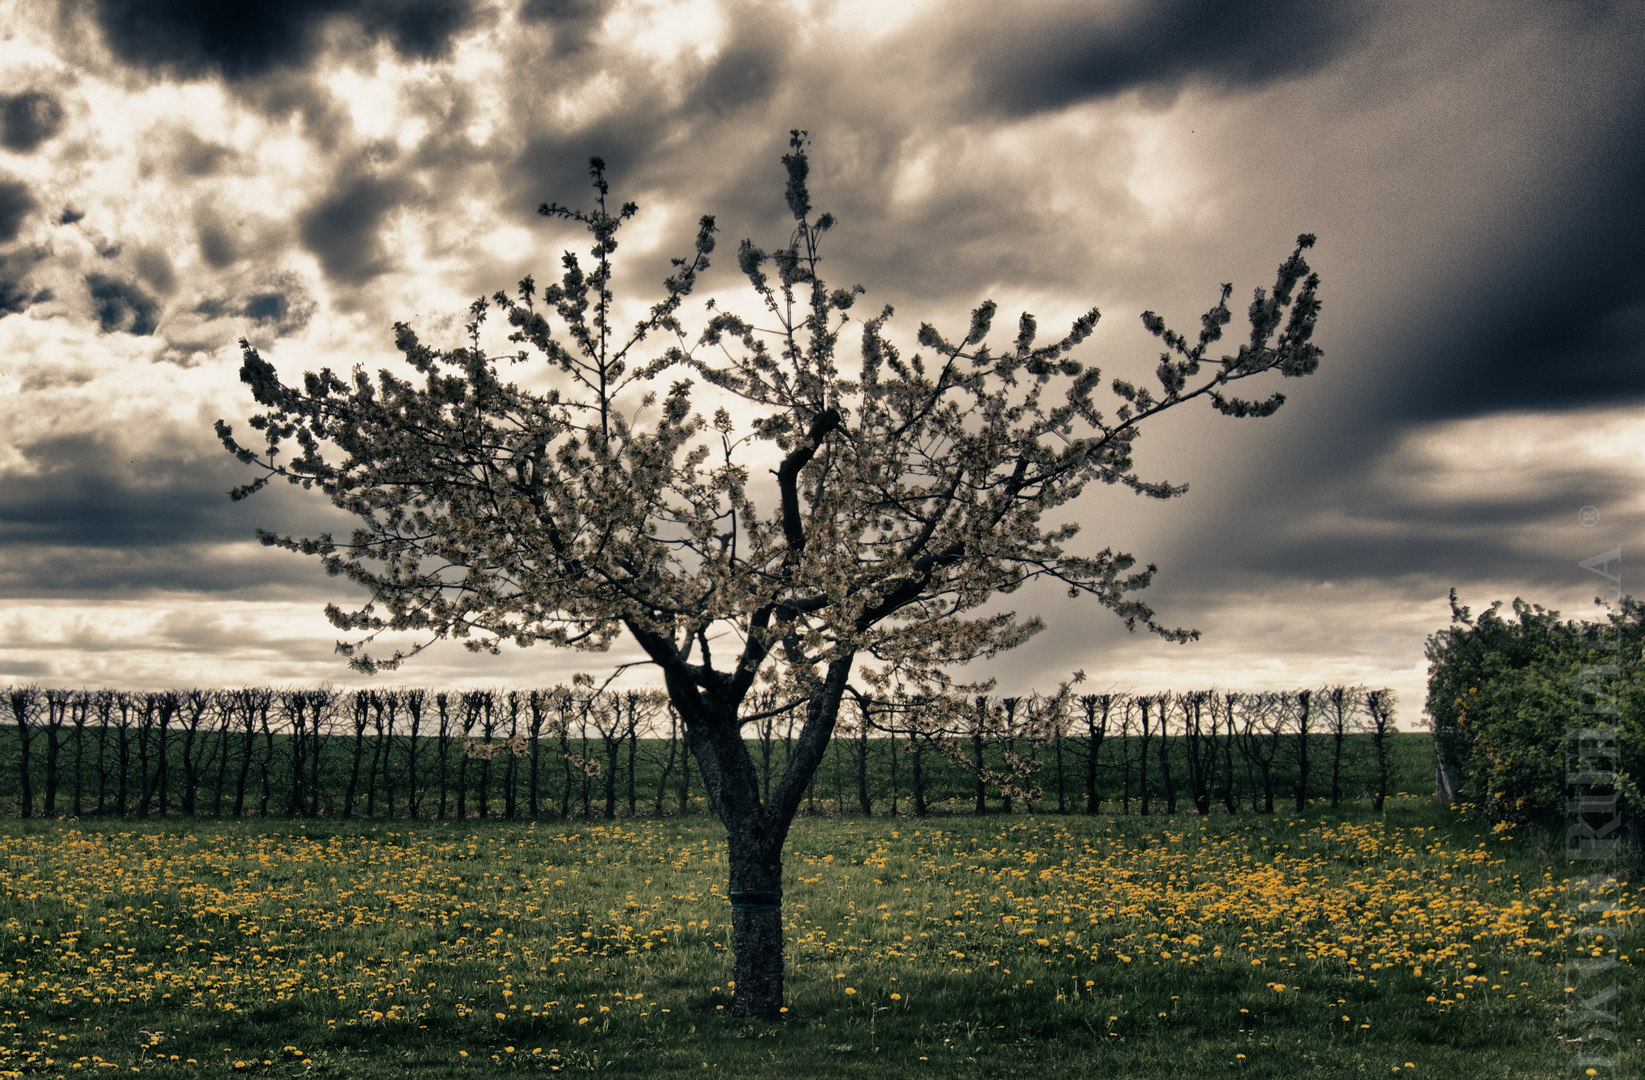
(916, 776)
(1165, 757)
(392, 699)
(323, 702)
(222, 707)
(197, 702)
(266, 768)
(633, 750)
(295, 706)
(1093, 743)
(668, 763)
(567, 706)
(755, 829)
(1010, 747)
(891, 745)
(376, 752)
(22, 703)
(105, 709)
(1228, 738)
(1379, 703)
(1062, 802)
(685, 781)
(511, 809)
(145, 747)
(1305, 700)
(362, 714)
(57, 703)
(488, 729)
(613, 752)
(82, 702)
(1142, 759)
(123, 705)
(442, 740)
(415, 700)
(1125, 759)
(538, 704)
(863, 802)
(976, 757)
(162, 781)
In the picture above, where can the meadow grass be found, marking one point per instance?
(1323, 944)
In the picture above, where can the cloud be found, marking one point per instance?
(193, 38)
(154, 266)
(191, 156)
(418, 29)
(144, 506)
(280, 303)
(122, 306)
(1032, 58)
(14, 299)
(16, 203)
(36, 570)
(182, 639)
(16, 295)
(1484, 499)
(217, 244)
(747, 71)
(342, 228)
(82, 490)
(28, 119)
(1548, 308)
(575, 22)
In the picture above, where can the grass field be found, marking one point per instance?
(1284, 946)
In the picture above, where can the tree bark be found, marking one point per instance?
(756, 829)
(1305, 715)
(22, 703)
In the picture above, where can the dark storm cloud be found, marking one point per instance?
(80, 493)
(90, 518)
(341, 229)
(418, 29)
(747, 71)
(1032, 58)
(39, 571)
(190, 155)
(217, 246)
(14, 298)
(1468, 540)
(16, 203)
(281, 304)
(28, 119)
(16, 294)
(254, 37)
(266, 307)
(155, 268)
(1560, 321)
(574, 21)
(121, 305)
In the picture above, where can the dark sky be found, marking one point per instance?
(176, 175)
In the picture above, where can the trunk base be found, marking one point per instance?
(757, 943)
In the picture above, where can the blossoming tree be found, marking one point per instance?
(842, 519)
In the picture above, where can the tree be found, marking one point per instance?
(905, 495)
(1504, 696)
(1379, 705)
